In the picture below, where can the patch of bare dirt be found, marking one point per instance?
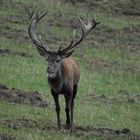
(21, 97)
(130, 98)
(9, 52)
(109, 38)
(105, 133)
(13, 34)
(105, 36)
(129, 7)
(29, 123)
(102, 65)
(19, 123)
(79, 131)
(6, 137)
(98, 64)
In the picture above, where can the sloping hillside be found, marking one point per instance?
(107, 103)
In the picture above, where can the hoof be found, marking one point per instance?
(68, 126)
(59, 128)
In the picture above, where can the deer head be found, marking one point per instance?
(55, 58)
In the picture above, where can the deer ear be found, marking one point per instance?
(42, 53)
(68, 54)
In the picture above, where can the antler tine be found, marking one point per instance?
(60, 46)
(39, 17)
(30, 14)
(81, 22)
(72, 41)
(43, 14)
(95, 21)
(42, 43)
(89, 26)
(86, 28)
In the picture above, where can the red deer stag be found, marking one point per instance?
(62, 71)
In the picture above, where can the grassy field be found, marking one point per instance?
(108, 99)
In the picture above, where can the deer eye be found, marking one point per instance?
(57, 61)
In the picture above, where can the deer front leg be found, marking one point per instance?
(57, 108)
(72, 103)
(68, 100)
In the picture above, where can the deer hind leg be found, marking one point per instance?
(72, 103)
(68, 101)
(57, 108)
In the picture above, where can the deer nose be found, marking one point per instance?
(49, 69)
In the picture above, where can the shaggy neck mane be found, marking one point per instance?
(56, 83)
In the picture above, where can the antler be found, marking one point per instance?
(86, 28)
(34, 19)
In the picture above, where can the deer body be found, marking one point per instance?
(67, 76)
(62, 71)
(65, 82)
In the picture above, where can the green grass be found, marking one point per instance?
(120, 77)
